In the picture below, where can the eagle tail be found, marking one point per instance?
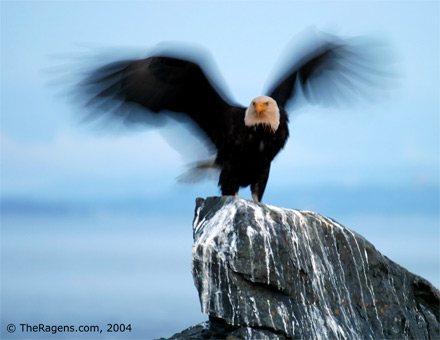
(204, 170)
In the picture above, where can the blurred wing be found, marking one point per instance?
(332, 71)
(159, 85)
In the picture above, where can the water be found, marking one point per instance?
(110, 266)
(95, 271)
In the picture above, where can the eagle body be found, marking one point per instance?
(246, 152)
(245, 140)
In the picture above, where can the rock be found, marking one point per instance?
(269, 273)
(218, 329)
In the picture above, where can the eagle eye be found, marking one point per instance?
(267, 103)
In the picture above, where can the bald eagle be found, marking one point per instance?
(246, 139)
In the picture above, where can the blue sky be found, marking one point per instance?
(393, 140)
(373, 166)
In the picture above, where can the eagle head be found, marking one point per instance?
(263, 110)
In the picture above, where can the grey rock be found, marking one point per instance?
(218, 329)
(250, 333)
(200, 331)
(272, 273)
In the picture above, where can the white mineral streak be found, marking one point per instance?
(364, 271)
(260, 219)
(250, 232)
(217, 246)
(213, 234)
(321, 269)
(320, 265)
(271, 314)
(255, 310)
(284, 313)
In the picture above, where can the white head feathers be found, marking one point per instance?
(263, 110)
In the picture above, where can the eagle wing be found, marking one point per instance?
(161, 86)
(330, 71)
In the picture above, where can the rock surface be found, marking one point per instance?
(269, 273)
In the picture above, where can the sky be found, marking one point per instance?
(392, 140)
(373, 166)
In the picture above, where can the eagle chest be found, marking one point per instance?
(262, 144)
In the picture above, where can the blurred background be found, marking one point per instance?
(94, 227)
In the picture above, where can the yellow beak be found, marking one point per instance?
(260, 107)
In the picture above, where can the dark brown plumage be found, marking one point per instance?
(246, 140)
